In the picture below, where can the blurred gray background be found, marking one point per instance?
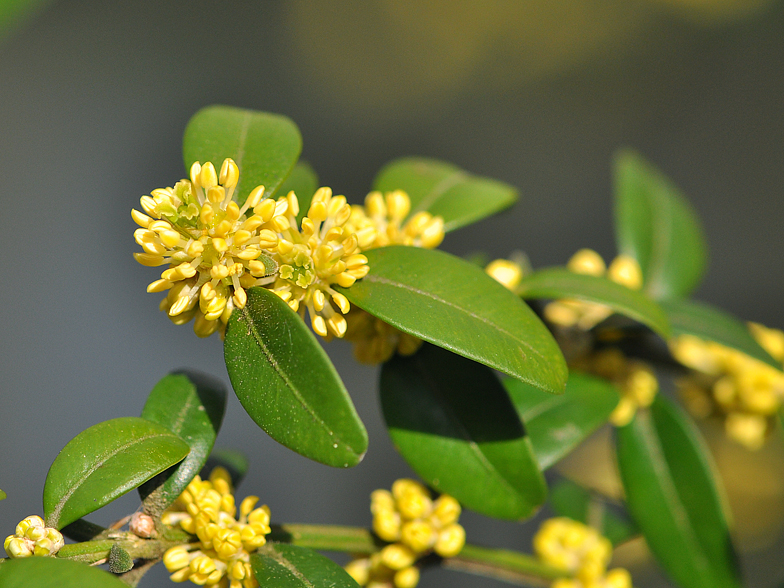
(94, 97)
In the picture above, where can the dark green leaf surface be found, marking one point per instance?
(557, 424)
(445, 190)
(559, 282)
(278, 565)
(689, 317)
(288, 385)
(51, 572)
(657, 226)
(454, 304)
(671, 494)
(573, 501)
(232, 460)
(103, 463)
(190, 405)
(452, 421)
(304, 181)
(265, 146)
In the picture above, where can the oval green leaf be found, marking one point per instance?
(103, 463)
(452, 421)
(557, 424)
(190, 405)
(288, 385)
(455, 305)
(278, 565)
(559, 282)
(689, 317)
(672, 495)
(657, 226)
(571, 500)
(3, 495)
(445, 190)
(265, 146)
(51, 572)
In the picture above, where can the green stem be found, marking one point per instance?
(500, 564)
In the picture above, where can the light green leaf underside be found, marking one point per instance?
(452, 421)
(557, 424)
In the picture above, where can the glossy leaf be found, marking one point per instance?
(444, 189)
(559, 282)
(689, 317)
(288, 385)
(265, 146)
(454, 304)
(570, 500)
(657, 226)
(557, 424)
(232, 460)
(279, 565)
(671, 493)
(452, 421)
(304, 182)
(190, 405)
(51, 572)
(103, 463)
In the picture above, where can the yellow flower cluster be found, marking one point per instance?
(216, 250)
(415, 525)
(634, 379)
(741, 390)
(623, 270)
(379, 223)
(221, 557)
(33, 537)
(579, 551)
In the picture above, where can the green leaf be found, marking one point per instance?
(278, 565)
(559, 282)
(689, 317)
(190, 405)
(3, 495)
(452, 421)
(51, 572)
(232, 460)
(671, 493)
(571, 500)
(103, 463)
(657, 226)
(287, 384)
(557, 424)
(454, 304)
(265, 146)
(444, 189)
(304, 181)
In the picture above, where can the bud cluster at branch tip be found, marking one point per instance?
(415, 525)
(221, 556)
(581, 552)
(33, 538)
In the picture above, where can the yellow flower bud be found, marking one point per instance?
(446, 510)
(406, 578)
(397, 556)
(587, 261)
(18, 546)
(359, 569)
(506, 272)
(625, 270)
(387, 525)
(418, 535)
(450, 541)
